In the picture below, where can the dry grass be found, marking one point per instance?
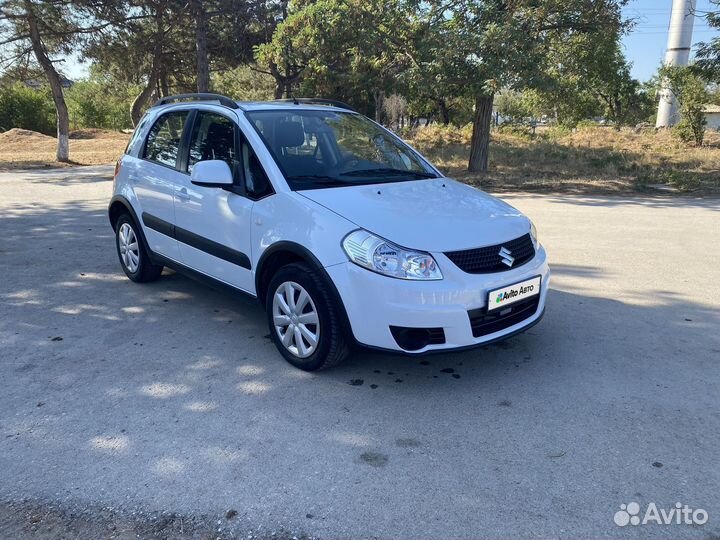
(591, 159)
(588, 160)
(23, 149)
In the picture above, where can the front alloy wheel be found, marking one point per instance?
(305, 321)
(296, 319)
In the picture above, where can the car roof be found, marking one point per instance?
(285, 105)
(304, 105)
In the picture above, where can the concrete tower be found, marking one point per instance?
(682, 20)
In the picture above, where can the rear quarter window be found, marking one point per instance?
(135, 142)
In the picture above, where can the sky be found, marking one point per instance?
(644, 46)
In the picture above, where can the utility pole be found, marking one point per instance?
(682, 20)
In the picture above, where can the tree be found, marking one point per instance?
(498, 44)
(199, 11)
(708, 53)
(101, 101)
(43, 29)
(691, 92)
(149, 44)
(244, 83)
(588, 75)
(284, 63)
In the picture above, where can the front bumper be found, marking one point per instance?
(374, 303)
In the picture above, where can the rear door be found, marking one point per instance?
(155, 176)
(213, 225)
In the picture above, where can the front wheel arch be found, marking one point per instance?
(284, 253)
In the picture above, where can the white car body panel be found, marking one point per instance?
(427, 304)
(431, 215)
(219, 216)
(153, 185)
(289, 217)
(434, 215)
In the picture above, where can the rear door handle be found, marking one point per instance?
(183, 194)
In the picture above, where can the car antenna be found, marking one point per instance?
(295, 101)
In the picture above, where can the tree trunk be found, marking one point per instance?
(480, 142)
(279, 80)
(164, 86)
(203, 69)
(63, 118)
(279, 87)
(444, 112)
(379, 97)
(141, 99)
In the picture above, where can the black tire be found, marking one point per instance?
(146, 270)
(332, 345)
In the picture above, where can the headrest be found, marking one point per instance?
(219, 131)
(289, 134)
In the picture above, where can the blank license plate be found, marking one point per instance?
(500, 298)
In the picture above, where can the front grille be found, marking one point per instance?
(484, 323)
(487, 260)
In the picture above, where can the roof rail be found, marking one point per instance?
(224, 100)
(317, 101)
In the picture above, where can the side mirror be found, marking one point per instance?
(211, 173)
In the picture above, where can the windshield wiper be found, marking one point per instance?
(381, 171)
(316, 180)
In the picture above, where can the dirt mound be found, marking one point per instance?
(94, 133)
(17, 135)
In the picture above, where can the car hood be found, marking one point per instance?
(430, 215)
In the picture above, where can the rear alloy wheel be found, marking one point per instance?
(133, 254)
(129, 247)
(304, 321)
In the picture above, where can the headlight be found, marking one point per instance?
(533, 235)
(379, 255)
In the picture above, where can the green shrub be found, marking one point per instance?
(583, 124)
(27, 108)
(557, 131)
(518, 130)
(100, 103)
(691, 128)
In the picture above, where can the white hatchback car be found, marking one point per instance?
(344, 233)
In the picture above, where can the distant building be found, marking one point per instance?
(712, 116)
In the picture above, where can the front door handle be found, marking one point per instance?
(183, 194)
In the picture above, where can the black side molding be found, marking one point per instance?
(198, 242)
(159, 225)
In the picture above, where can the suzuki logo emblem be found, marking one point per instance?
(505, 255)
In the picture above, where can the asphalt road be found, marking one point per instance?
(168, 397)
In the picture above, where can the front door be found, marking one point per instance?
(213, 224)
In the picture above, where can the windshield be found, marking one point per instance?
(317, 149)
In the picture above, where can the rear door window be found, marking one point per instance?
(163, 142)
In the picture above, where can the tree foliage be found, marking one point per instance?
(391, 59)
(708, 54)
(691, 92)
(26, 108)
(42, 29)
